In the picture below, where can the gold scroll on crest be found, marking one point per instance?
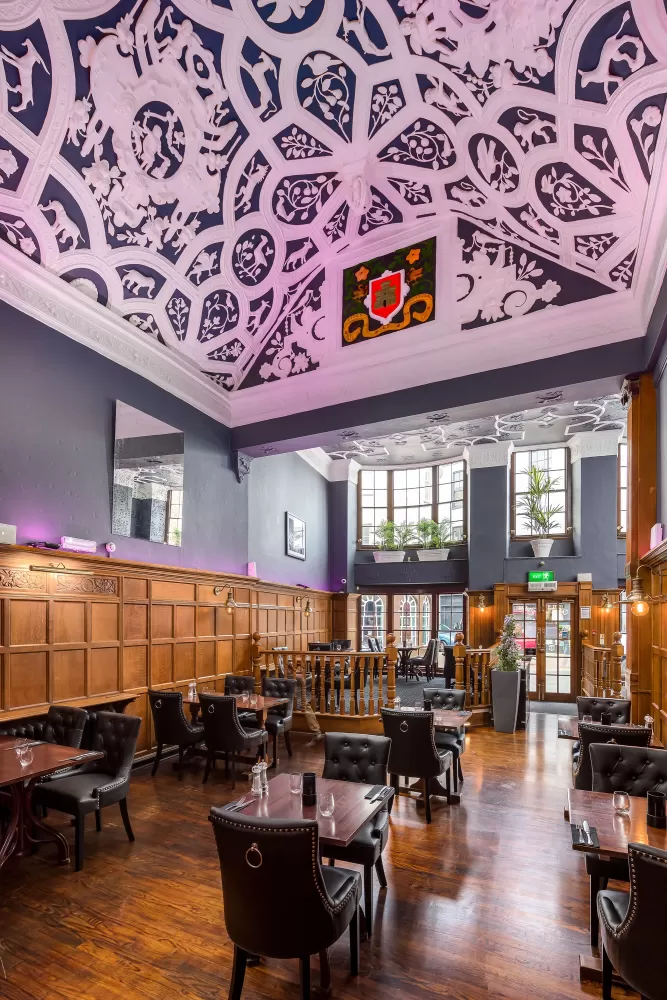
(358, 325)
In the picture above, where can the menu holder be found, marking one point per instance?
(309, 788)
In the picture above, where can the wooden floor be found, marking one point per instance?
(489, 901)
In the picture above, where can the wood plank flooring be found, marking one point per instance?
(489, 901)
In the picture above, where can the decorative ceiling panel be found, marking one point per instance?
(208, 170)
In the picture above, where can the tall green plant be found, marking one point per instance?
(432, 535)
(535, 507)
(390, 536)
(508, 655)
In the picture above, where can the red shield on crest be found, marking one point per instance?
(386, 295)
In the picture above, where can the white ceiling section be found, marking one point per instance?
(183, 184)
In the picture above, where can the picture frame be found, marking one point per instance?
(295, 536)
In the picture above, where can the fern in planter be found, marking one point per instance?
(391, 540)
(433, 539)
(535, 507)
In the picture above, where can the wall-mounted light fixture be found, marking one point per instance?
(481, 603)
(61, 568)
(606, 605)
(230, 603)
(639, 602)
(307, 610)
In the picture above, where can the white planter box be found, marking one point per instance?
(541, 547)
(389, 555)
(432, 555)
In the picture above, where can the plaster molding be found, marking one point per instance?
(488, 456)
(594, 444)
(343, 469)
(318, 459)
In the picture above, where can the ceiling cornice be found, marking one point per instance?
(33, 290)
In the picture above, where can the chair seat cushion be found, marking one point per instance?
(450, 741)
(446, 759)
(368, 844)
(255, 735)
(339, 881)
(196, 734)
(613, 906)
(277, 724)
(77, 793)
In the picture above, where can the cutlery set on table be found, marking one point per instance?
(584, 836)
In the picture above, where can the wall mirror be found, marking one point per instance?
(147, 477)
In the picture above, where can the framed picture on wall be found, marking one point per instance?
(295, 536)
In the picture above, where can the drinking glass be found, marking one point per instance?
(244, 698)
(325, 803)
(397, 702)
(26, 756)
(295, 783)
(20, 747)
(621, 803)
(587, 718)
(253, 700)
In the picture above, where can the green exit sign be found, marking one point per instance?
(540, 576)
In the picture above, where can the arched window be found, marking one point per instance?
(408, 620)
(373, 620)
(426, 621)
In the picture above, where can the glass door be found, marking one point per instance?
(544, 632)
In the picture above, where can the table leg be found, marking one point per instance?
(32, 824)
(194, 713)
(8, 845)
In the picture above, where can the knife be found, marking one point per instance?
(587, 832)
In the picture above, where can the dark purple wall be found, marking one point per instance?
(56, 452)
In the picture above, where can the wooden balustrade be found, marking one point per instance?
(350, 684)
(601, 669)
(473, 674)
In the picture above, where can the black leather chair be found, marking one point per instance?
(279, 719)
(455, 701)
(242, 684)
(171, 727)
(358, 757)
(255, 855)
(414, 753)
(224, 733)
(428, 661)
(635, 736)
(619, 708)
(99, 783)
(65, 725)
(633, 926)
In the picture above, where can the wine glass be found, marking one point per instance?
(325, 803)
(621, 803)
(253, 700)
(296, 783)
(587, 718)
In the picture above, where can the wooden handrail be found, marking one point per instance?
(601, 668)
(473, 667)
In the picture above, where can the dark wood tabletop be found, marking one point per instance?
(568, 729)
(351, 808)
(614, 831)
(450, 719)
(47, 758)
(263, 703)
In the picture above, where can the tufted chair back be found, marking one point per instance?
(31, 729)
(116, 736)
(65, 725)
(630, 736)
(356, 757)
(619, 708)
(635, 770)
(255, 854)
(449, 669)
(171, 726)
(222, 729)
(280, 687)
(413, 750)
(446, 698)
(238, 683)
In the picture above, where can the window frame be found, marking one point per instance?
(435, 479)
(432, 592)
(620, 486)
(514, 536)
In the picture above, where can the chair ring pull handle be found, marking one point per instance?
(211, 709)
(158, 703)
(257, 855)
(404, 726)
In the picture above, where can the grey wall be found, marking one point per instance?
(661, 390)
(57, 403)
(342, 535)
(282, 483)
(488, 512)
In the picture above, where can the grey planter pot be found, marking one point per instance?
(505, 692)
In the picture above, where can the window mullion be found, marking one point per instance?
(390, 495)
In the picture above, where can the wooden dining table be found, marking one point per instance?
(352, 809)
(262, 706)
(24, 828)
(568, 729)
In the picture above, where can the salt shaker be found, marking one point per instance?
(256, 779)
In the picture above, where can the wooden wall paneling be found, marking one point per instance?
(481, 623)
(78, 638)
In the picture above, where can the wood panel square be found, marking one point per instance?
(205, 659)
(134, 590)
(272, 623)
(184, 621)
(135, 667)
(282, 618)
(224, 622)
(104, 625)
(164, 590)
(225, 656)
(242, 657)
(141, 708)
(262, 622)
(162, 618)
(286, 600)
(135, 621)
(184, 660)
(264, 597)
(161, 664)
(205, 621)
(69, 619)
(289, 621)
(69, 674)
(28, 623)
(104, 670)
(27, 679)
(241, 595)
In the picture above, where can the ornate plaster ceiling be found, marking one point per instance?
(206, 169)
(438, 437)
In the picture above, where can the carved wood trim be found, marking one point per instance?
(104, 585)
(20, 579)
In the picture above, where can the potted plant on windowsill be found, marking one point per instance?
(535, 508)
(506, 679)
(391, 540)
(433, 539)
